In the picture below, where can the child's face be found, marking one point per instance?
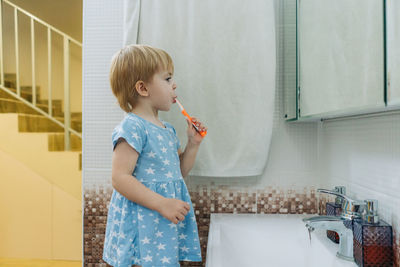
(162, 90)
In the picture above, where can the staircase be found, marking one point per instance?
(40, 154)
(38, 144)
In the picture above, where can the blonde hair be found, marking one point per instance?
(135, 63)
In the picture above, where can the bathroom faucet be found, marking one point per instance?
(336, 224)
(351, 209)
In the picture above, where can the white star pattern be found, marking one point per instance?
(184, 248)
(148, 258)
(172, 225)
(145, 240)
(117, 209)
(165, 260)
(169, 174)
(166, 162)
(164, 149)
(157, 220)
(182, 236)
(121, 235)
(181, 224)
(134, 135)
(140, 217)
(160, 137)
(161, 246)
(151, 154)
(149, 170)
(159, 234)
(170, 143)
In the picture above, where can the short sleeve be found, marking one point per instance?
(133, 131)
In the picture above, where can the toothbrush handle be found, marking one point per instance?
(202, 133)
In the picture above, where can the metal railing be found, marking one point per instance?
(66, 47)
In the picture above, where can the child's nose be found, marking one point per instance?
(174, 86)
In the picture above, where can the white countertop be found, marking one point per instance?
(257, 240)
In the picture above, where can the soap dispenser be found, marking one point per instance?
(335, 209)
(372, 238)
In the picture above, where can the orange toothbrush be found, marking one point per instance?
(202, 133)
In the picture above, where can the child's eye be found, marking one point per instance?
(168, 79)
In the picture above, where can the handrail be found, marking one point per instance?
(42, 22)
(66, 47)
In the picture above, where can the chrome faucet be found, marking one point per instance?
(336, 224)
(351, 209)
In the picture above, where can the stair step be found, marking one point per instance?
(56, 142)
(9, 104)
(15, 106)
(26, 91)
(56, 103)
(39, 123)
(10, 77)
(42, 104)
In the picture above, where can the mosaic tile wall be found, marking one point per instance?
(206, 200)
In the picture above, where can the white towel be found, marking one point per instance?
(224, 57)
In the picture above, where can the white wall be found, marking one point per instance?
(364, 155)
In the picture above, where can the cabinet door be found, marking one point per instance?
(393, 51)
(340, 56)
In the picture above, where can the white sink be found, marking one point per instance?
(257, 240)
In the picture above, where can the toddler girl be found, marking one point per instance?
(150, 221)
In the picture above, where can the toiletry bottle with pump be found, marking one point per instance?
(335, 209)
(372, 238)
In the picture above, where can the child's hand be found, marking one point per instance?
(193, 136)
(174, 210)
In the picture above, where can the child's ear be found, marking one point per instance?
(141, 88)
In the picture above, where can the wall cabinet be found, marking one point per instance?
(347, 59)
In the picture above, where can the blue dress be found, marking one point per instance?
(136, 235)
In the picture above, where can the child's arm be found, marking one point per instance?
(123, 163)
(188, 157)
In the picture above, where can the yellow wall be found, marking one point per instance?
(38, 220)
